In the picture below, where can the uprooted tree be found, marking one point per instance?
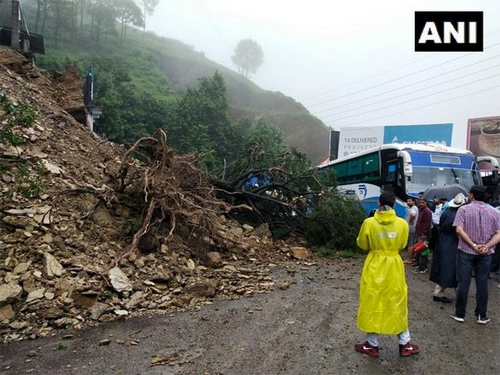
(169, 196)
(302, 202)
(166, 195)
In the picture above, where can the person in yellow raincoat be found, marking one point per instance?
(383, 297)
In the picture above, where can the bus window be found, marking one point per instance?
(370, 163)
(371, 168)
(390, 173)
(391, 177)
(340, 171)
(355, 167)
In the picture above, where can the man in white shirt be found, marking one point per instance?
(411, 218)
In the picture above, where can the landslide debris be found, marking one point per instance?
(91, 232)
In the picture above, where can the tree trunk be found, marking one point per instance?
(38, 14)
(57, 21)
(81, 16)
(122, 31)
(44, 18)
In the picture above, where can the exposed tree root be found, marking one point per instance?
(166, 190)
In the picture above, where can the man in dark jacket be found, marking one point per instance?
(423, 231)
(444, 257)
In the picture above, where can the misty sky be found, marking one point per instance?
(351, 63)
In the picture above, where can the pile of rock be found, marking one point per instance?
(50, 282)
(59, 255)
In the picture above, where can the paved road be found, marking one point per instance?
(309, 328)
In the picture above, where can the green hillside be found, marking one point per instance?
(164, 68)
(183, 66)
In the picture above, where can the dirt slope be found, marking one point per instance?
(66, 259)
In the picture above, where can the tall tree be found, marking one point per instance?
(76, 8)
(45, 11)
(265, 147)
(128, 114)
(73, 13)
(62, 13)
(266, 144)
(148, 7)
(128, 14)
(202, 122)
(40, 4)
(248, 56)
(83, 4)
(103, 13)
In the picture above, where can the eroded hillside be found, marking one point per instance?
(73, 244)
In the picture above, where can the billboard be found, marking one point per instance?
(356, 139)
(353, 140)
(483, 138)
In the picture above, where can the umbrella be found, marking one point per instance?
(447, 191)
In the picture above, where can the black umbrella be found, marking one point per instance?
(447, 191)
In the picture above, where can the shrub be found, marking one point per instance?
(335, 223)
(324, 252)
(14, 115)
(28, 182)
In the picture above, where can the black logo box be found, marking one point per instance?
(439, 18)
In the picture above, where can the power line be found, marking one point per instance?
(384, 73)
(424, 106)
(213, 25)
(372, 77)
(411, 84)
(420, 97)
(398, 79)
(411, 93)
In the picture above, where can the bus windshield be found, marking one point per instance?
(425, 177)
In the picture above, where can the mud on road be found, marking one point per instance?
(308, 328)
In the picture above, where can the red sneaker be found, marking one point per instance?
(408, 349)
(366, 348)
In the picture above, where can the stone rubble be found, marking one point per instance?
(54, 249)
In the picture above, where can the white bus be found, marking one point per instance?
(406, 170)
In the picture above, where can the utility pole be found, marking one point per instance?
(14, 40)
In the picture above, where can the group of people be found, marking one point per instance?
(466, 232)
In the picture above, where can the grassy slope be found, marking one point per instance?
(184, 66)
